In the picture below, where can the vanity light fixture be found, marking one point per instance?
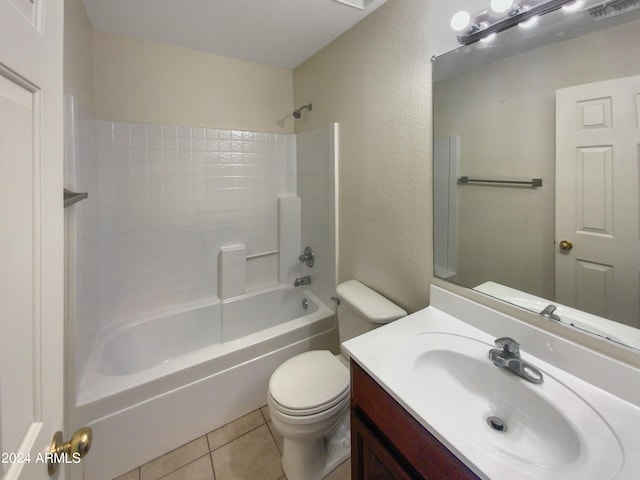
(573, 6)
(501, 6)
(505, 14)
(461, 21)
(532, 22)
(489, 38)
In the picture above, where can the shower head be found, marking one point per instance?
(298, 112)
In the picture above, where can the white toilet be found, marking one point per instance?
(308, 394)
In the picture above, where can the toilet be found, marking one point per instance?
(308, 395)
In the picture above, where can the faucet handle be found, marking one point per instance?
(508, 344)
(307, 257)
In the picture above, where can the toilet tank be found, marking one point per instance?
(362, 309)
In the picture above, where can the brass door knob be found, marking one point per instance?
(72, 451)
(565, 245)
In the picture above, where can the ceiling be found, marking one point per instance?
(283, 33)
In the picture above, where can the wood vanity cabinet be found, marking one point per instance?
(387, 443)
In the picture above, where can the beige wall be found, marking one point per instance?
(124, 79)
(78, 55)
(150, 82)
(375, 81)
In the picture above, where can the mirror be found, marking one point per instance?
(544, 104)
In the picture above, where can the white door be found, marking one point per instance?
(597, 198)
(31, 235)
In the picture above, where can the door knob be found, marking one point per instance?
(565, 245)
(73, 450)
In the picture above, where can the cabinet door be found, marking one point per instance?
(370, 460)
(407, 450)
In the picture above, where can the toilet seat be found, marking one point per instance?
(309, 383)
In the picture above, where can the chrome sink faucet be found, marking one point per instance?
(507, 355)
(547, 312)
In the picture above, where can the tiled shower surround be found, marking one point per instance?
(162, 202)
(171, 196)
(177, 219)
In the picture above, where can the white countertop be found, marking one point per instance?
(608, 387)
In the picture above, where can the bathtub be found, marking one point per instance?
(162, 381)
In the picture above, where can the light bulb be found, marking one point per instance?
(573, 6)
(532, 22)
(460, 21)
(501, 6)
(489, 38)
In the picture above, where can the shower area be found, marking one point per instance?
(181, 270)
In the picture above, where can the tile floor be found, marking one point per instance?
(248, 448)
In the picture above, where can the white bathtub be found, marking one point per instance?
(194, 370)
(142, 345)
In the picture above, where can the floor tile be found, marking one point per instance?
(201, 469)
(265, 413)
(343, 472)
(175, 459)
(245, 449)
(253, 456)
(277, 436)
(233, 430)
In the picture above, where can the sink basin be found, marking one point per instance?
(536, 431)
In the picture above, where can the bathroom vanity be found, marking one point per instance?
(428, 402)
(388, 443)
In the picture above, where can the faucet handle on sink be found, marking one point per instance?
(508, 344)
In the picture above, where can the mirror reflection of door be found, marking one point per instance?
(597, 148)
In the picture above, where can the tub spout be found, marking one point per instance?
(302, 281)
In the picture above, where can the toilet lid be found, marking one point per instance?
(309, 380)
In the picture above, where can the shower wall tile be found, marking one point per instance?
(171, 197)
